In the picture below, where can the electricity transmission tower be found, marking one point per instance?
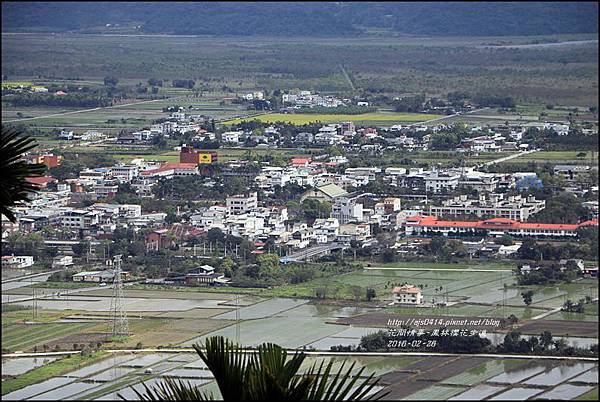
(118, 324)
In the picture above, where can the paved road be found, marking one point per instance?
(25, 277)
(556, 310)
(445, 117)
(59, 293)
(507, 158)
(311, 252)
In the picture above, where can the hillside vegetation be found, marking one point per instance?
(305, 19)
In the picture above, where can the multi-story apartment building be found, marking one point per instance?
(125, 173)
(346, 209)
(495, 205)
(80, 219)
(436, 182)
(242, 203)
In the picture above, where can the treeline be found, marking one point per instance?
(409, 104)
(194, 187)
(309, 19)
(548, 274)
(183, 84)
(494, 101)
(550, 140)
(585, 247)
(513, 343)
(70, 100)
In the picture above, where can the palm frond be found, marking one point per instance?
(13, 170)
(228, 363)
(171, 389)
(266, 374)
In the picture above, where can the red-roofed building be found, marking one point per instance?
(301, 161)
(432, 226)
(190, 155)
(42, 181)
(169, 169)
(407, 294)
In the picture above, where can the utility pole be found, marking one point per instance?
(237, 319)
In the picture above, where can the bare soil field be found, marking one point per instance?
(194, 313)
(457, 366)
(561, 328)
(430, 371)
(81, 339)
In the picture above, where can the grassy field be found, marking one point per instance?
(404, 65)
(16, 84)
(376, 118)
(129, 114)
(24, 336)
(557, 157)
(589, 396)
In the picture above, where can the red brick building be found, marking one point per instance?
(190, 155)
(159, 239)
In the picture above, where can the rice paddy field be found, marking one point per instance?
(182, 318)
(404, 378)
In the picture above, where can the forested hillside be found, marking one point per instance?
(304, 19)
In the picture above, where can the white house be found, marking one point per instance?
(17, 261)
(231, 136)
(62, 261)
(407, 294)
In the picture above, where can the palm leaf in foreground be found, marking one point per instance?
(14, 170)
(265, 374)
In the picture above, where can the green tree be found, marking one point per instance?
(437, 244)
(268, 264)
(266, 374)
(111, 81)
(356, 292)
(527, 297)
(546, 339)
(370, 294)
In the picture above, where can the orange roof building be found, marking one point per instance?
(431, 225)
(42, 181)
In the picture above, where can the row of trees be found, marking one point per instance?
(552, 273)
(585, 247)
(70, 100)
(513, 343)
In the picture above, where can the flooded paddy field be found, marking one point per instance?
(406, 378)
(19, 366)
(189, 316)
